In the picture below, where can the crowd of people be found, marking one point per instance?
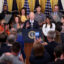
(48, 51)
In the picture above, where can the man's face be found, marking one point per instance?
(31, 16)
(56, 9)
(5, 8)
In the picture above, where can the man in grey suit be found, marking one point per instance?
(56, 15)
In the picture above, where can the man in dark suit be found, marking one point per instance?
(31, 23)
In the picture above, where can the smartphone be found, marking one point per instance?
(36, 35)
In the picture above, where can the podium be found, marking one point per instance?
(29, 34)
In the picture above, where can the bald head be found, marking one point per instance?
(32, 15)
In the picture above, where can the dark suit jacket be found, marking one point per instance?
(60, 5)
(39, 60)
(35, 25)
(4, 48)
(6, 12)
(50, 48)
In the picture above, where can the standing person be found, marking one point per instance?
(5, 47)
(6, 14)
(7, 30)
(39, 16)
(1, 5)
(23, 16)
(47, 27)
(31, 23)
(17, 22)
(5, 9)
(56, 15)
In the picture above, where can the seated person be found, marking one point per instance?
(51, 44)
(19, 38)
(39, 16)
(47, 27)
(31, 23)
(2, 21)
(13, 56)
(59, 62)
(62, 31)
(39, 55)
(5, 47)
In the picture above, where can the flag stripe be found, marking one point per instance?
(14, 5)
(26, 5)
(48, 8)
(36, 4)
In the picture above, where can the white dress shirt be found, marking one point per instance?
(32, 21)
(45, 29)
(1, 5)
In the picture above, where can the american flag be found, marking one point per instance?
(26, 5)
(5, 2)
(14, 6)
(48, 8)
(36, 4)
